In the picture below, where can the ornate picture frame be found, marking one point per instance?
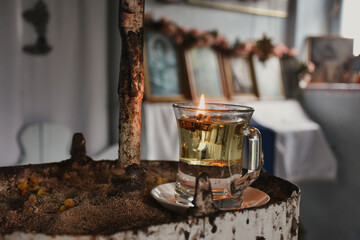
(205, 73)
(268, 78)
(333, 59)
(162, 69)
(240, 77)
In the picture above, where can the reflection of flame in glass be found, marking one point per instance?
(201, 105)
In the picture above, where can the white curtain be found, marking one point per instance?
(349, 22)
(67, 86)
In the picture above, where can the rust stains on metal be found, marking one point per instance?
(78, 149)
(212, 223)
(203, 199)
(128, 181)
(294, 227)
(131, 80)
(244, 224)
(187, 235)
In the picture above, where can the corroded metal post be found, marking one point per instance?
(131, 80)
(78, 149)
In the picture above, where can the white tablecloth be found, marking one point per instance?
(301, 150)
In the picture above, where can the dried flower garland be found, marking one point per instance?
(186, 37)
(263, 48)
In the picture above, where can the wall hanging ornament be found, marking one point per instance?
(38, 16)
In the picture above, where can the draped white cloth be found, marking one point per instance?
(67, 86)
(160, 132)
(301, 149)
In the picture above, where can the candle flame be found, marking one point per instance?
(201, 105)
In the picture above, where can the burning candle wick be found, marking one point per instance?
(199, 116)
(201, 111)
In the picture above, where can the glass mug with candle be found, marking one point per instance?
(211, 140)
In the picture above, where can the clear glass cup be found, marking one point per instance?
(211, 141)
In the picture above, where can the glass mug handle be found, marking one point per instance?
(254, 164)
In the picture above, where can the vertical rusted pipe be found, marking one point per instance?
(131, 80)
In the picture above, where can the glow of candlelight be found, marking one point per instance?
(201, 106)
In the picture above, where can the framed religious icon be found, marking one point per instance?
(268, 77)
(333, 59)
(205, 73)
(239, 77)
(163, 81)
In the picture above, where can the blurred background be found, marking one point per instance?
(59, 65)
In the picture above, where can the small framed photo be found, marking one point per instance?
(205, 73)
(333, 59)
(268, 78)
(239, 77)
(163, 81)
